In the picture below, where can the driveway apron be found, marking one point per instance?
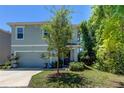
(16, 78)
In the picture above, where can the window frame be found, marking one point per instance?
(17, 33)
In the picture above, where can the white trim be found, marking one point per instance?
(15, 52)
(16, 32)
(29, 51)
(26, 45)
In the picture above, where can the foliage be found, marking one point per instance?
(80, 56)
(59, 32)
(106, 23)
(6, 65)
(88, 55)
(13, 57)
(76, 66)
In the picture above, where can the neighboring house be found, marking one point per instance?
(28, 44)
(5, 45)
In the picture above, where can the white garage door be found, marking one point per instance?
(31, 60)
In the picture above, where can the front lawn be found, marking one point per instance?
(84, 79)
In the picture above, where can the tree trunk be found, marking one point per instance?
(63, 60)
(58, 62)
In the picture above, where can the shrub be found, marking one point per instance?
(6, 65)
(107, 65)
(86, 58)
(76, 66)
(111, 58)
(1, 66)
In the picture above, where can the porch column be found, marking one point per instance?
(72, 55)
(75, 54)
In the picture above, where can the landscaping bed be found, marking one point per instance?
(83, 79)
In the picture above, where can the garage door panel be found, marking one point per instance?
(31, 60)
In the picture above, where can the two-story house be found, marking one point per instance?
(5, 45)
(28, 44)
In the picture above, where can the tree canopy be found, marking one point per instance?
(87, 44)
(106, 23)
(59, 32)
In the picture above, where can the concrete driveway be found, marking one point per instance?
(16, 78)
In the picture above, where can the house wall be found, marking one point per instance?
(5, 46)
(29, 49)
(33, 35)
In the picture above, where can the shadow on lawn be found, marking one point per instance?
(69, 79)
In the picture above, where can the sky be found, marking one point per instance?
(38, 13)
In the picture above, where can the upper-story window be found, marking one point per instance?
(20, 33)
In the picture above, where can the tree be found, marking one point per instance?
(59, 32)
(106, 23)
(89, 54)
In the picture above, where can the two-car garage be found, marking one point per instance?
(31, 60)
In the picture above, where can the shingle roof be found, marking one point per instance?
(33, 23)
(27, 23)
(1, 30)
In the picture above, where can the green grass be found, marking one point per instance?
(87, 78)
